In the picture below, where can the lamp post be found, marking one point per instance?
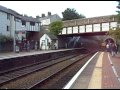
(16, 48)
(39, 27)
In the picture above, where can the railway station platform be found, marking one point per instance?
(102, 71)
(32, 52)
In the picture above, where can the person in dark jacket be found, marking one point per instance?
(28, 46)
(117, 45)
(114, 49)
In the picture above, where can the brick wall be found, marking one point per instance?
(86, 21)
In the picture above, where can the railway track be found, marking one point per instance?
(34, 76)
(20, 72)
(59, 79)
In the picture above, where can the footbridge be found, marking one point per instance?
(79, 30)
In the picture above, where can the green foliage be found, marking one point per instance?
(4, 38)
(70, 14)
(115, 33)
(118, 11)
(56, 27)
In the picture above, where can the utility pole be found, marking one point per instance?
(16, 47)
(14, 40)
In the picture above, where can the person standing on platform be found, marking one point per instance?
(28, 46)
(110, 48)
(113, 49)
(117, 45)
(36, 45)
(107, 48)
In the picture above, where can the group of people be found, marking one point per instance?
(26, 45)
(112, 48)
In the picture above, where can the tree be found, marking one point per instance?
(70, 14)
(115, 33)
(118, 11)
(56, 27)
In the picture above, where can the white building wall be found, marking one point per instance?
(45, 22)
(82, 29)
(105, 26)
(44, 42)
(69, 30)
(18, 25)
(24, 28)
(88, 28)
(12, 25)
(113, 24)
(50, 19)
(64, 31)
(75, 29)
(96, 27)
(4, 23)
(36, 27)
(28, 26)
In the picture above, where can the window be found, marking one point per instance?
(69, 30)
(32, 23)
(96, 27)
(113, 24)
(64, 31)
(81, 29)
(8, 16)
(88, 28)
(17, 20)
(23, 23)
(75, 29)
(7, 28)
(105, 26)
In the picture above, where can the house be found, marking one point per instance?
(21, 27)
(48, 41)
(17, 26)
(46, 20)
(12, 23)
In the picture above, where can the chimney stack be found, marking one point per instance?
(43, 15)
(49, 13)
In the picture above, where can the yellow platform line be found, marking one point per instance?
(95, 82)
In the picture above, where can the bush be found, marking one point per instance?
(4, 38)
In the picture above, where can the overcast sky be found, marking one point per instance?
(87, 8)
